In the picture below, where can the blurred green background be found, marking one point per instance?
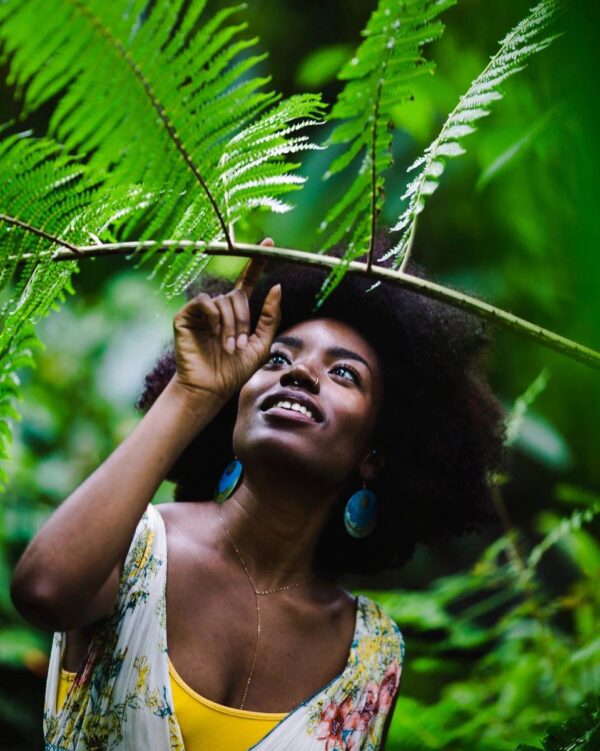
(496, 649)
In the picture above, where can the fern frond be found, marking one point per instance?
(50, 201)
(522, 404)
(153, 94)
(380, 76)
(523, 41)
(565, 527)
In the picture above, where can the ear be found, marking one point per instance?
(372, 465)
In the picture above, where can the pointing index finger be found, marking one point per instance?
(251, 272)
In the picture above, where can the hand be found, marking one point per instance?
(214, 351)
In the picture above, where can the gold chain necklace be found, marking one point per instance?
(257, 594)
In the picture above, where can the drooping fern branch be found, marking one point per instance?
(521, 43)
(381, 75)
(154, 96)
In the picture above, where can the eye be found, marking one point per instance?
(277, 358)
(354, 375)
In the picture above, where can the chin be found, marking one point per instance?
(282, 450)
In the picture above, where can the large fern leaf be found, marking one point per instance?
(49, 201)
(154, 96)
(380, 76)
(521, 43)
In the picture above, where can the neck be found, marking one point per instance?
(276, 525)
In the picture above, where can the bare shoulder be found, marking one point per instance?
(338, 605)
(184, 519)
(176, 510)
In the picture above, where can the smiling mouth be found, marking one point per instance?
(296, 407)
(292, 406)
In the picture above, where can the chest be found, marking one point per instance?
(213, 620)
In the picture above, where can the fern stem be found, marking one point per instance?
(409, 245)
(160, 110)
(40, 233)
(425, 287)
(374, 173)
(515, 553)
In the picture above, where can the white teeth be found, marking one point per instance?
(295, 407)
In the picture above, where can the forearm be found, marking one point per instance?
(86, 537)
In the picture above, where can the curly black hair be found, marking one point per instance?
(441, 429)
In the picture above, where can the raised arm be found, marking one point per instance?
(68, 576)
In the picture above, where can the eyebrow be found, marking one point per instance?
(297, 343)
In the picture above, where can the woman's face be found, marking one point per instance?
(314, 403)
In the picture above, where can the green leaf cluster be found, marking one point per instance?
(381, 75)
(526, 39)
(494, 644)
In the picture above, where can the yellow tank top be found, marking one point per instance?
(204, 723)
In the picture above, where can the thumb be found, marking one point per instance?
(270, 316)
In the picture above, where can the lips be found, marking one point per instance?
(293, 397)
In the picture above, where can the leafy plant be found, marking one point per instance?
(491, 642)
(581, 732)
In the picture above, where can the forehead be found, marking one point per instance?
(323, 333)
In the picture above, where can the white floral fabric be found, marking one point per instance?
(121, 697)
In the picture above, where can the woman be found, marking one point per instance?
(357, 431)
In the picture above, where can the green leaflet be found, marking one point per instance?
(381, 75)
(523, 41)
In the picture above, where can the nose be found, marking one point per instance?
(300, 375)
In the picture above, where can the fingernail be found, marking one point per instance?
(242, 340)
(230, 344)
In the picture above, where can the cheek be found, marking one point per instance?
(353, 424)
(248, 398)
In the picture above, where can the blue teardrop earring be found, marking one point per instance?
(229, 480)
(360, 514)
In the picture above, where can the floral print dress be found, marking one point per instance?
(121, 697)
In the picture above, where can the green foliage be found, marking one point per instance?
(493, 641)
(381, 75)
(516, 47)
(581, 732)
(321, 66)
(157, 96)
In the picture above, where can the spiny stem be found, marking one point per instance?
(160, 110)
(424, 287)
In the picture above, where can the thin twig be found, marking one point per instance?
(40, 233)
(515, 553)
